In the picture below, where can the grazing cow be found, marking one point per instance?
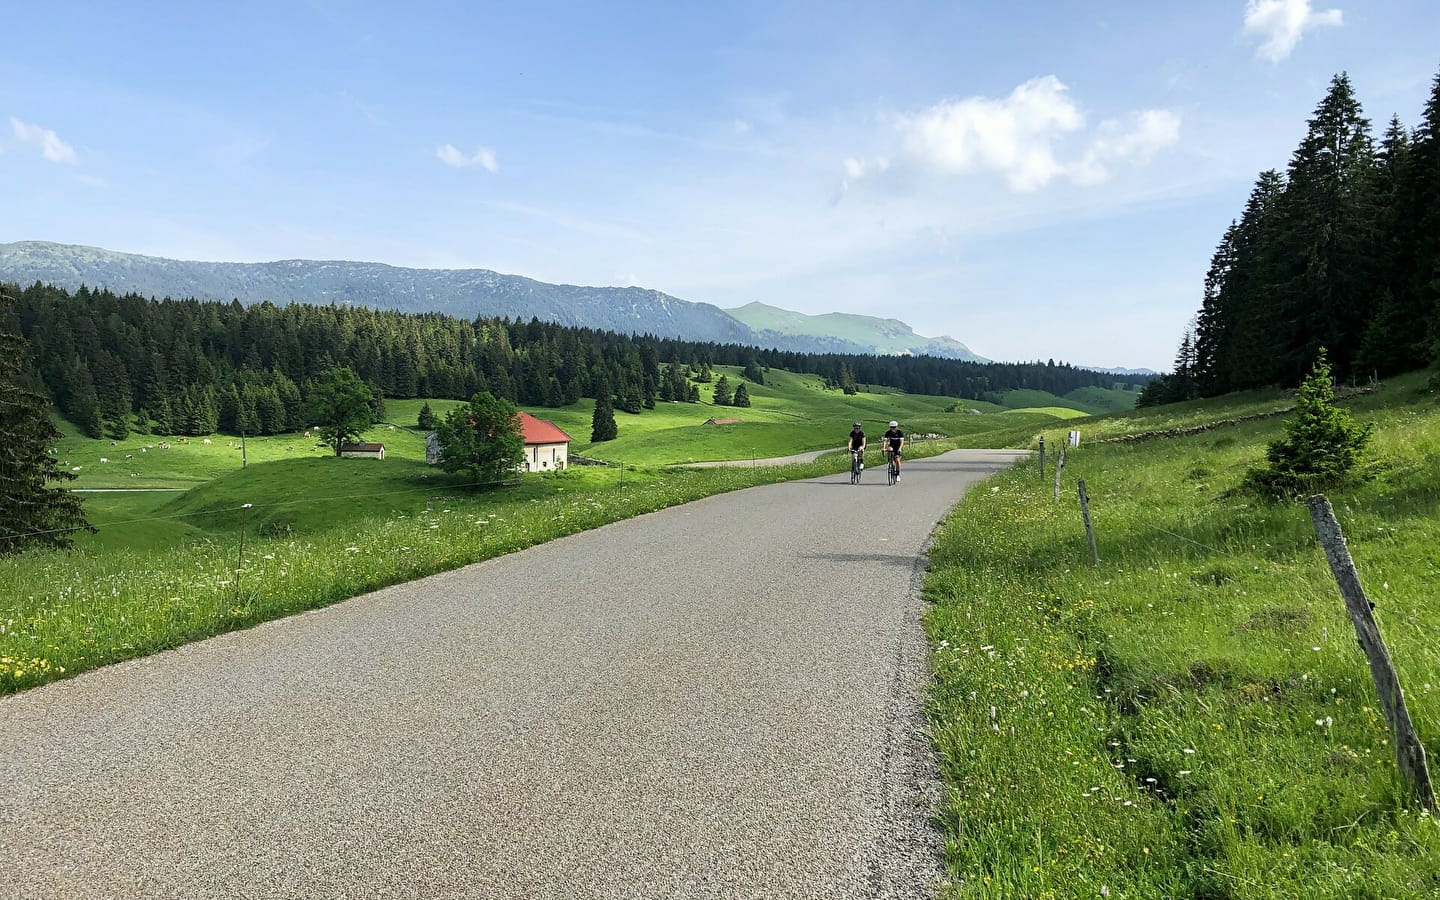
(104, 459)
(207, 440)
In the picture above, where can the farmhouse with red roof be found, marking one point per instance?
(547, 448)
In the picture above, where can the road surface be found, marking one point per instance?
(721, 699)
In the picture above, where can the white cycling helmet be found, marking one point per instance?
(894, 424)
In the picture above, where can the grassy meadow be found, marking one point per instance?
(166, 565)
(1192, 717)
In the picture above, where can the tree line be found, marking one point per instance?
(114, 363)
(1340, 251)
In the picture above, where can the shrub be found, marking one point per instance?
(1321, 447)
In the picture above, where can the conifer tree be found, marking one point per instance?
(742, 396)
(1393, 343)
(33, 510)
(722, 392)
(1322, 442)
(427, 419)
(1326, 292)
(602, 421)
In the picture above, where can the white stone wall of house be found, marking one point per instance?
(546, 457)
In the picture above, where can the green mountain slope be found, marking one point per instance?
(879, 335)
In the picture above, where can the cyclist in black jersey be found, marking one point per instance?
(894, 440)
(857, 438)
(856, 445)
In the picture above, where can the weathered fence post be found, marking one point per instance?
(1089, 531)
(1059, 464)
(1409, 752)
(240, 558)
(1042, 456)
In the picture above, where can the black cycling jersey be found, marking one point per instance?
(894, 436)
(857, 439)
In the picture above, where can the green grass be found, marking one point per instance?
(1192, 717)
(165, 568)
(1098, 400)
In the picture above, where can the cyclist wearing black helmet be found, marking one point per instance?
(857, 438)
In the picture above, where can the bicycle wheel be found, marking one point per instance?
(854, 469)
(894, 472)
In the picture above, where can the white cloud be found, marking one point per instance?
(1151, 131)
(1020, 138)
(741, 126)
(1279, 24)
(483, 157)
(51, 147)
(1013, 136)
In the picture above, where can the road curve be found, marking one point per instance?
(721, 699)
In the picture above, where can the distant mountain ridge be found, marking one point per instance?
(886, 335)
(465, 293)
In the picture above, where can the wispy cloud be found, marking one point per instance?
(483, 157)
(50, 144)
(1019, 138)
(1279, 24)
(1148, 133)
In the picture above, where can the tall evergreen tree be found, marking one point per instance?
(1393, 343)
(602, 422)
(1420, 237)
(742, 396)
(1327, 288)
(722, 391)
(33, 510)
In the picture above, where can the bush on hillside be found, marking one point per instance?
(1322, 444)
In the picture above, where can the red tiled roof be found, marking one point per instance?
(368, 448)
(540, 431)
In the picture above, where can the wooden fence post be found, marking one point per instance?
(1042, 456)
(1059, 464)
(1089, 531)
(1409, 752)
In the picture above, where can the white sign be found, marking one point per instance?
(1075, 438)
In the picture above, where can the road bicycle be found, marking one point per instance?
(857, 465)
(892, 465)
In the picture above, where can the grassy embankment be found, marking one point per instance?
(166, 568)
(1192, 717)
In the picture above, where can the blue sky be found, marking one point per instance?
(1038, 180)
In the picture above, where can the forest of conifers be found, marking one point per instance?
(1341, 251)
(117, 363)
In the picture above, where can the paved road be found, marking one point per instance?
(715, 700)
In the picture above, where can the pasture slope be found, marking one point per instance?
(167, 568)
(1192, 717)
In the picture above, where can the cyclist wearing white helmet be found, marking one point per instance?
(894, 440)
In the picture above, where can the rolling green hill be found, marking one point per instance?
(878, 335)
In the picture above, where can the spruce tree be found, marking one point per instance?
(427, 419)
(1392, 342)
(742, 396)
(1322, 444)
(1327, 296)
(34, 511)
(1420, 238)
(602, 422)
(722, 391)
